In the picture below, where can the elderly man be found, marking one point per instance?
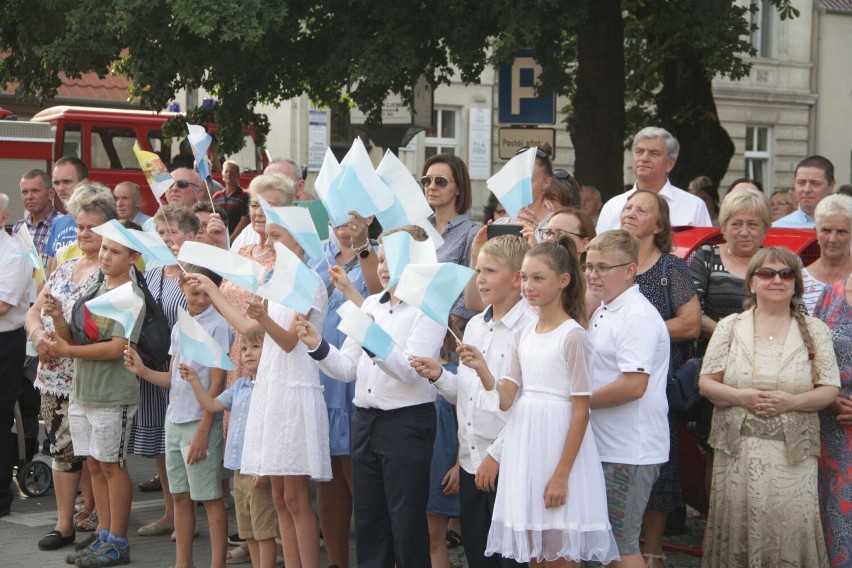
(15, 288)
(813, 180)
(590, 201)
(128, 196)
(285, 167)
(68, 173)
(183, 192)
(655, 152)
(37, 197)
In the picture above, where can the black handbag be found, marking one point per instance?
(682, 386)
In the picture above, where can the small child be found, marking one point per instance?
(491, 332)
(104, 398)
(560, 513)
(256, 517)
(193, 437)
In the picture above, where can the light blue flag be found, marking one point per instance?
(242, 271)
(433, 288)
(116, 232)
(401, 249)
(363, 330)
(119, 304)
(292, 283)
(199, 346)
(298, 222)
(27, 249)
(154, 250)
(512, 185)
(199, 141)
(357, 187)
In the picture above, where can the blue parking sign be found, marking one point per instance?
(518, 102)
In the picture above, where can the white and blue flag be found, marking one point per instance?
(298, 222)
(154, 251)
(328, 173)
(118, 233)
(364, 331)
(512, 185)
(28, 250)
(401, 249)
(240, 270)
(433, 288)
(199, 141)
(409, 204)
(119, 304)
(292, 283)
(199, 346)
(357, 187)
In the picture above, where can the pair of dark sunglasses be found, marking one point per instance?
(767, 273)
(561, 174)
(183, 184)
(539, 153)
(440, 181)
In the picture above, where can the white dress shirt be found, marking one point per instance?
(479, 415)
(685, 209)
(16, 284)
(389, 384)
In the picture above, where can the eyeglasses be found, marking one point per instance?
(440, 181)
(600, 269)
(183, 184)
(555, 234)
(767, 273)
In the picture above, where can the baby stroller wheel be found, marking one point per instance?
(34, 478)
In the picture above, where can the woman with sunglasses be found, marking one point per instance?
(767, 371)
(646, 217)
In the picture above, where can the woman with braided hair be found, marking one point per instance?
(767, 371)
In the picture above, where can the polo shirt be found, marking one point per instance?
(685, 209)
(629, 336)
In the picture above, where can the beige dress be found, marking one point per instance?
(764, 509)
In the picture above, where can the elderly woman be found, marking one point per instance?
(767, 371)
(646, 217)
(834, 476)
(781, 203)
(91, 205)
(833, 218)
(175, 224)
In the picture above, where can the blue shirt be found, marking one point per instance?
(183, 407)
(63, 232)
(236, 400)
(140, 218)
(798, 219)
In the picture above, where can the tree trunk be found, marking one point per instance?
(597, 119)
(688, 110)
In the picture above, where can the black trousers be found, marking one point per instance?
(391, 455)
(12, 351)
(476, 510)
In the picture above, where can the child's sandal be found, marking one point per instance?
(86, 521)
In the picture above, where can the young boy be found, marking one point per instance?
(193, 437)
(487, 339)
(256, 516)
(629, 373)
(104, 398)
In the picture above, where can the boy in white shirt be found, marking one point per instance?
(629, 374)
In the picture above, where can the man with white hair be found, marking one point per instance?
(655, 152)
(289, 168)
(128, 196)
(15, 288)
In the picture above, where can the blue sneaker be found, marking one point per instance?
(90, 548)
(108, 554)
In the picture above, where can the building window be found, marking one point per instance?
(761, 23)
(443, 136)
(757, 155)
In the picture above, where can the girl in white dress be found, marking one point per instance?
(551, 507)
(286, 437)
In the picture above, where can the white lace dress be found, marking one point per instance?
(549, 368)
(287, 427)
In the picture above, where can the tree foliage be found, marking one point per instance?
(247, 52)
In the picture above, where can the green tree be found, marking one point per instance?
(621, 63)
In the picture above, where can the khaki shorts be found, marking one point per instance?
(256, 516)
(101, 432)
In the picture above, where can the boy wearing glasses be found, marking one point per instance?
(629, 373)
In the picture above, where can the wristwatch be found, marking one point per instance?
(363, 251)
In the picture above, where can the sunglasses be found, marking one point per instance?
(440, 181)
(539, 153)
(767, 273)
(183, 184)
(561, 174)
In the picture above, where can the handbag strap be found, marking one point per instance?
(346, 268)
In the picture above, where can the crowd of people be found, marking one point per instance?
(546, 430)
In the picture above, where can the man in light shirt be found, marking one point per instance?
(655, 152)
(813, 180)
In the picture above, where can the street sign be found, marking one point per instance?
(517, 99)
(510, 140)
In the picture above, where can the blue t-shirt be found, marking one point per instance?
(63, 232)
(236, 400)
